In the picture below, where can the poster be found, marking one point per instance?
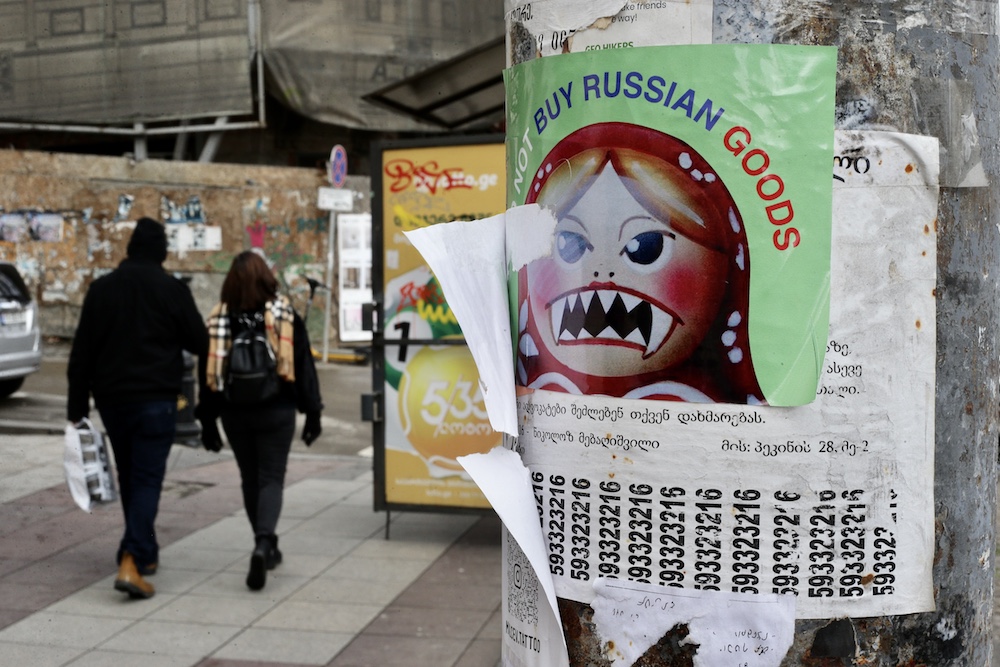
(354, 250)
(690, 255)
(830, 501)
(434, 410)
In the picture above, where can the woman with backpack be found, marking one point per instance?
(258, 371)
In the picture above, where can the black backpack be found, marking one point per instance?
(252, 371)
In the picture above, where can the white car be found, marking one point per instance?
(20, 338)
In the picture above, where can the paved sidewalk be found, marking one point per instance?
(344, 596)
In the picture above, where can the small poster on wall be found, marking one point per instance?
(354, 248)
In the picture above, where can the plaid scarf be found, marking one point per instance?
(278, 318)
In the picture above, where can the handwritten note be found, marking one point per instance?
(730, 629)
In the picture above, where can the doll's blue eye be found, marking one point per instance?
(645, 248)
(572, 246)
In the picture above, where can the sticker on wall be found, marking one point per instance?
(193, 237)
(691, 192)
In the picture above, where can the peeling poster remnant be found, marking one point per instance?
(745, 629)
(124, 210)
(17, 227)
(554, 27)
(191, 212)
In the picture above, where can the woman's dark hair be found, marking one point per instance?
(249, 283)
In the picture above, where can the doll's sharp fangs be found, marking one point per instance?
(612, 316)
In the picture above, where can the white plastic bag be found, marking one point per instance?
(88, 467)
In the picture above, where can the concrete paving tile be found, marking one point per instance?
(349, 521)
(493, 628)
(125, 659)
(328, 590)
(368, 650)
(184, 556)
(171, 579)
(361, 498)
(481, 653)
(149, 637)
(337, 483)
(65, 575)
(98, 553)
(36, 656)
(310, 496)
(487, 530)
(212, 609)
(375, 569)
(433, 522)
(18, 514)
(475, 565)
(319, 617)
(232, 584)
(285, 646)
(398, 621)
(12, 616)
(230, 532)
(184, 458)
(49, 628)
(28, 481)
(231, 537)
(101, 599)
(304, 540)
(333, 529)
(56, 495)
(27, 596)
(54, 534)
(225, 662)
(422, 594)
(400, 549)
(295, 564)
(447, 531)
(9, 565)
(215, 501)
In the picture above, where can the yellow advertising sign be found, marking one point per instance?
(434, 412)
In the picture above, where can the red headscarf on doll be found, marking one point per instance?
(647, 291)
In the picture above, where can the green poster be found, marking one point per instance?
(691, 191)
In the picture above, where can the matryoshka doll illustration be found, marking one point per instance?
(646, 292)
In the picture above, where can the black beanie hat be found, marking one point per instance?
(149, 241)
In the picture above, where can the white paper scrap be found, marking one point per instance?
(506, 483)
(744, 629)
(530, 234)
(565, 15)
(467, 258)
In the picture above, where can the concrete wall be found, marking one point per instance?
(95, 201)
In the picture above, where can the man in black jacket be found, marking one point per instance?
(127, 353)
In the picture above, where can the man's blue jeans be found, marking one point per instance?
(141, 436)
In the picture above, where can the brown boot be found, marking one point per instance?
(130, 581)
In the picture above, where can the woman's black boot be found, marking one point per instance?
(257, 576)
(273, 554)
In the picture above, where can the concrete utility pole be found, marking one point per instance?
(925, 68)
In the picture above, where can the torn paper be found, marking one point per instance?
(467, 259)
(833, 500)
(748, 630)
(532, 628)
